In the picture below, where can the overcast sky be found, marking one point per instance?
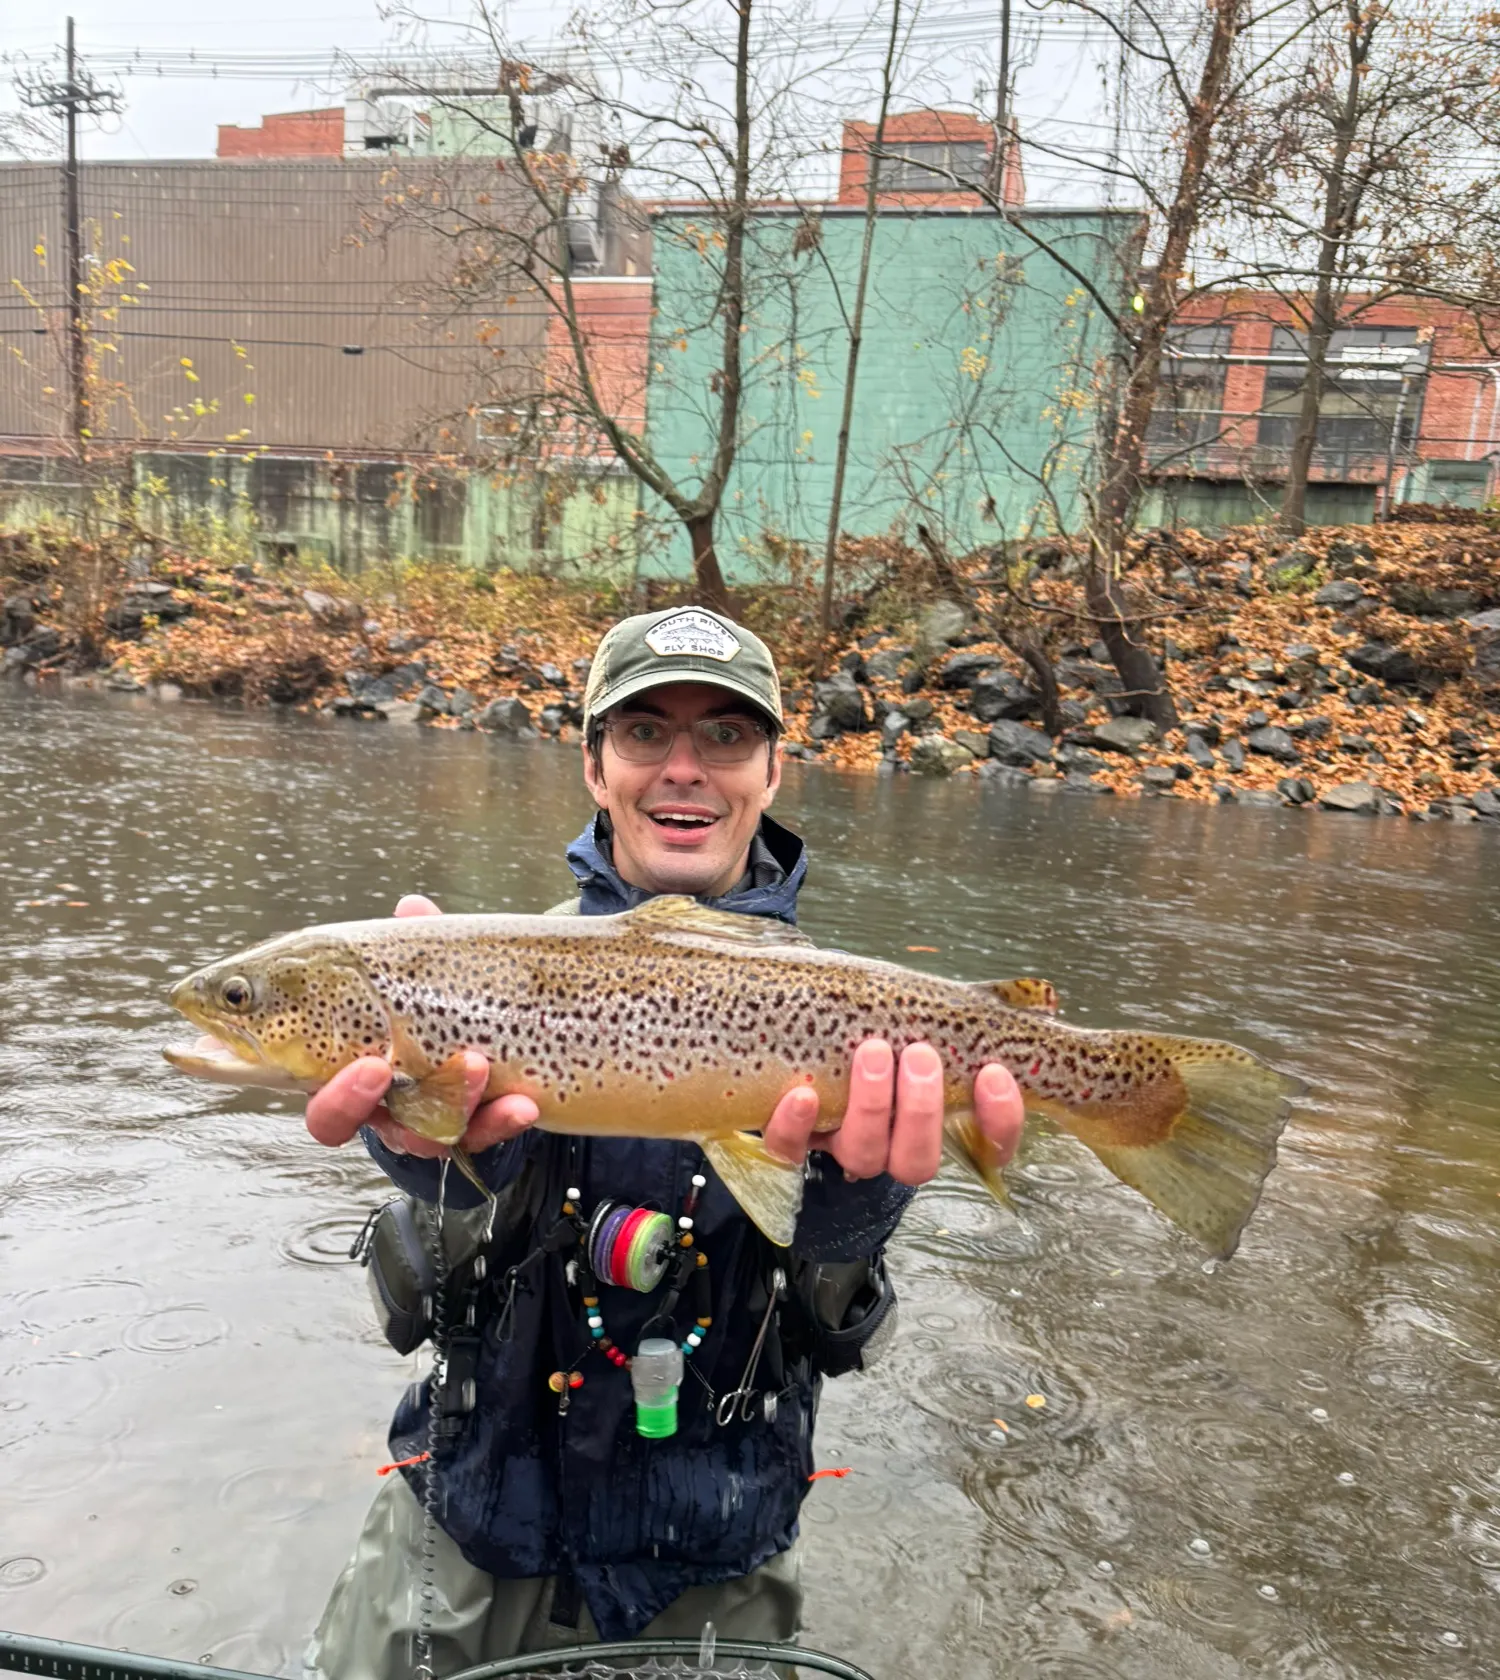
(179, 116)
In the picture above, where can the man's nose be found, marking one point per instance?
(683, 763)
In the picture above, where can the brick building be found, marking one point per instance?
(1411, 412)
(286, 134)
(933, 146)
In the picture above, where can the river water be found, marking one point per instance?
(1285, 1466)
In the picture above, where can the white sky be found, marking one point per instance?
(178, 117)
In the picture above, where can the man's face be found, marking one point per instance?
(682, 826)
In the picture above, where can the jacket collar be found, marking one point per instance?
(778, 867)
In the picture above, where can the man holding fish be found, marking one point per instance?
(632, 1084)
(682, 718)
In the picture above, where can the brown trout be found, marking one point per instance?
(674, 1021)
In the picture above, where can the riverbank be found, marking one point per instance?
(1358, 669)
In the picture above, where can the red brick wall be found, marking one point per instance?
(917, 128)
(1461, 408)
(286, 134)
(614, 317)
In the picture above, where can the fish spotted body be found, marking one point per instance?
(674, 1021)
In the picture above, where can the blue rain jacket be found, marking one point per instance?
(530, 1490)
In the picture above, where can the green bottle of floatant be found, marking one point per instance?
(655, 1375)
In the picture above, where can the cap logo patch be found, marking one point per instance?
(695, 634)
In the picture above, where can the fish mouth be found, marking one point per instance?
(211, 1058)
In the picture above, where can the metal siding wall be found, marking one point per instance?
(269, 256)
(930, 356)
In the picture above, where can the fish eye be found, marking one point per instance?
(235, 992)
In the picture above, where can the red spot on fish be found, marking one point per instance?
(1034, 1069)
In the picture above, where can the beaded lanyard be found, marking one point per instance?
(635, 1248)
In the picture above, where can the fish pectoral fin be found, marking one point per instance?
(1023, 994)
(768, 1189)
(435, 1106)
(676, 913)
(969, 1145)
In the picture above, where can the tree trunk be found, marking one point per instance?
(1124, 469)
(709, 588)
(1146, 692)
(1339, 208)
(1028, 647)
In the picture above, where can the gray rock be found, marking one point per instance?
(886, 665)
(1159, 778)
(1358, 797)
(1296, 790)
(1246, 685)
(552, 675)
(1301, 653)
(1486, 802)
(1015, 743)
(400, 711)
(997, 695)
(917, 709)
(1462, 814)
(1125, 734)
(17, 621)
(1310, 729)
(461, 702)
(963, 670)
(1486, 667)
(936, 755)
(581, 668)
(975, 743)
(840, 702)
(1257, 720)
(1478, 621)
(1273, 743)
(433, 701)
(940, 626)
(506, 717)
(1289, 568)
(1206, 728)
(892, 727)
(1257, 796)
(1200, 752)
(1350, 559)
(404, 642)
(1234, 756)
(1363, 694)
(124, 682)
(42, 643)
(551, 719)
(1342, 594)
(1422, 601)
(1001, 775)
(1385, 663)
(330, 609)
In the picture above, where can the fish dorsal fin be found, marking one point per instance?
(1024, 994)
(769, 1190)
(677, 913)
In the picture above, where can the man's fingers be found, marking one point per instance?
(414, 904)
(916, 1150)
(790, 1127)
(348, 1100)
(499, 1121)
(999, 1108)
(862, 1143)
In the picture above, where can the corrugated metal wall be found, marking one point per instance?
(263, 281)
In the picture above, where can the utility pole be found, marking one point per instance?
(1002, 110)
(78, 93)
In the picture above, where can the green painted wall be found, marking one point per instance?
(979, 359)
(1203, 504)
(354, 514)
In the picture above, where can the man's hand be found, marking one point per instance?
(894, 1120)
(352, 1098)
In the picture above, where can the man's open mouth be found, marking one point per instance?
(679, 821)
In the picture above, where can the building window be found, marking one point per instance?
(1361, 397)
(920, 165)
(1189, 412)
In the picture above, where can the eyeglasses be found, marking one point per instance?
(642, 739)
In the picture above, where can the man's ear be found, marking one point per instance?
(773, 771)
(593, 778)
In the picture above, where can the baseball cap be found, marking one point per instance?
(681, 644)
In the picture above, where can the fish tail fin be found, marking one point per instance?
(1196, 1137)
(766, 1187)
(971, 1148)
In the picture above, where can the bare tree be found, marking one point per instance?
(1367, 172)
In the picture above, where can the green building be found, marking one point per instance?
(982, 357)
